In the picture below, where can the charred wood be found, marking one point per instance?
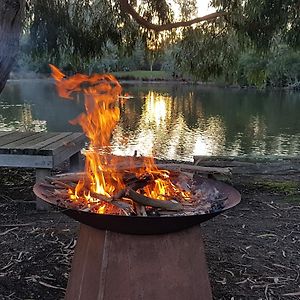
(147, 201)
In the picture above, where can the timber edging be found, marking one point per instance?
(246, 165)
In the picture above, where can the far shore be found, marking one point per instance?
(153, 77)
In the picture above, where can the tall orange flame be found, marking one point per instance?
(103, 176)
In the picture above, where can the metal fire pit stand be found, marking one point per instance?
(115, 266)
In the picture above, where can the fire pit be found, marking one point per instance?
(140, 257)
(157, 222)
(138, 238)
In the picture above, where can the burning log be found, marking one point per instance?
(70, 177)
(140, 210)
(207, 199)
(147, 201)
(193, 168)
(126, 208)
(61, 184)
(185, 199)
(120, 204)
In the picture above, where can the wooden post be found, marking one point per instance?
(75, 162)
(40, 175)
(114, 266)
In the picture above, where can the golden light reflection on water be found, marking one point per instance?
(157, 108)
(210, 137)
(162, 131)
(175, 128)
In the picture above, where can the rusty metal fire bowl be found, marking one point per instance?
(141, 257)
(149, 224)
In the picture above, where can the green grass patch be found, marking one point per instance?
(293, 199)
(142, 75)
(287, 187)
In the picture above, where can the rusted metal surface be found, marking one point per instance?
(141, 257)
(149, 224)
(114, 266)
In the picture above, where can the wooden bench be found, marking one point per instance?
(40, 150)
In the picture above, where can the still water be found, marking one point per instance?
(171, 121)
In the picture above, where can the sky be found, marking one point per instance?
(203, 8)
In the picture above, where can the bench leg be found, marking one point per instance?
(75, 162)
(40, 175)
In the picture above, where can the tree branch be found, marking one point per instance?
(127, 8)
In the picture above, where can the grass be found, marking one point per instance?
(142, 75)
(293, 199)
(287, 187)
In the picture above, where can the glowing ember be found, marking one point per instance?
(107, 175)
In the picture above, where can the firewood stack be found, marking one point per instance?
(130, 201)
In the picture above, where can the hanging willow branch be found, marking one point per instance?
(128, 8)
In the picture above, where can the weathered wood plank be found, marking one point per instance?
(61, 145)
(67, 152)
(18, 144)
(244, 159)
(32, 147)
(3, 133)
(58, 138)
(41, 151)
(20, 148)
(249, 166)
(31, 143)
(75, 162)
(26, 161)
(40, 176)
(13, 137)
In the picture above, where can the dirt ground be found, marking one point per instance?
(253, 250)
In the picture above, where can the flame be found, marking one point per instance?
(103, 177)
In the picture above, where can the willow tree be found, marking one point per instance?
(211, 46)
(84, 27)
(10, 28)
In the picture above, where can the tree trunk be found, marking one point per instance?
(10, 28)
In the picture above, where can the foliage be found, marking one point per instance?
(208, 51)
(81, 27)
(142, 75)
(251, 45)
(283, 67)
(262, 20)
(251, 70)
(187, 8)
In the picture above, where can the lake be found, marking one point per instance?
(170, 120)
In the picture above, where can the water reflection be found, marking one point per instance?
(210, 137)
(180, 125)
(170, 121)
(19, 117)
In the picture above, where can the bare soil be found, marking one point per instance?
(252, 250)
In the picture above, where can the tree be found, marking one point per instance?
(210, 48)
(259, 20)
(84, 27)
(10, 28)
(162, 11)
